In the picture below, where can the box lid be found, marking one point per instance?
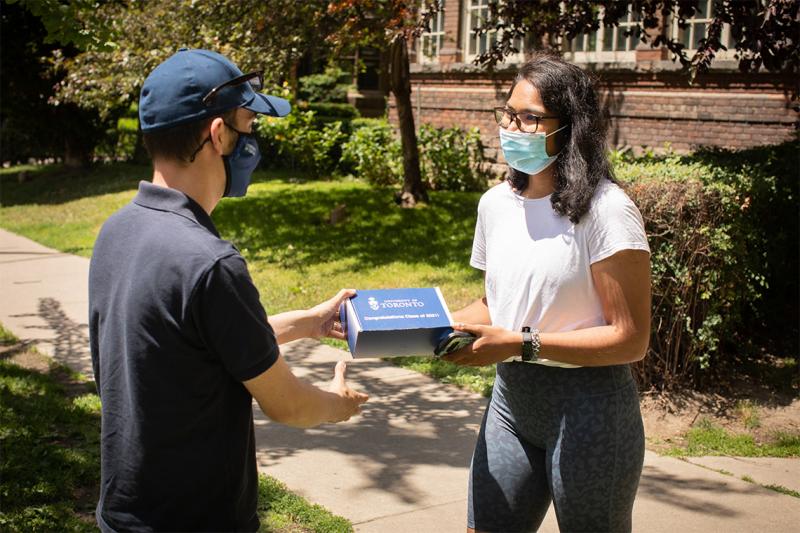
(394, 309)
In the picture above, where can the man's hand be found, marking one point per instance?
(352, 400)
(494, 344)
(325, 316)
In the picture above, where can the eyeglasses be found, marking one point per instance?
(525, 120)
(255, 79)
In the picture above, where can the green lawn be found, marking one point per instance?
(50, 460)
(282, 228)
(296, 256)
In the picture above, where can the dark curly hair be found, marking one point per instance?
(570, 93)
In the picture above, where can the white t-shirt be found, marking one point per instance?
(537, 263)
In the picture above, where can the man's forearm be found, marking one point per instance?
(291, 325)
(313, 407)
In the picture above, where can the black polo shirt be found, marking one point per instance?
(175, 326)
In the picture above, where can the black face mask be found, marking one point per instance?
(240, 163)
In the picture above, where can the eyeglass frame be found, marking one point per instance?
(515, 117)
(239, 80)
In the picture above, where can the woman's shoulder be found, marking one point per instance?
(609, 196)
(496, 193)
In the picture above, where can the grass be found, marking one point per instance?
(706, 438)
(296, 257)
(783, 490)
(51, 451)
(6, 337)
(777, 488)
(50, 463)
(748, 412)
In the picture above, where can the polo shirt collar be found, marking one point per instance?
(173, 201)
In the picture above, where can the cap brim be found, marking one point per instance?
(269, 105)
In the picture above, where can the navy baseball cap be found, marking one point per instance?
(196, 84)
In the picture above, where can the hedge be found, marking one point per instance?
(723, 230)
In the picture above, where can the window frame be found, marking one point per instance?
(467, 8)
(725, 36)
(598, 55)
(437, 35)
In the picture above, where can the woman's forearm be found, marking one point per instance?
(475, 313)
(597, 346)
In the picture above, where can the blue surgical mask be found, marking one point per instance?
(240, 164)
(526, 152)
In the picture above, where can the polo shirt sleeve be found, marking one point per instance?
(232, 321)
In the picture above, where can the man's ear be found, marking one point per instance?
(217, 136)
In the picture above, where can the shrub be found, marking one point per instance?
(297, 142)
(374, 153)
(722, 229)
(452, 159)
(327, 111)
(329, 86)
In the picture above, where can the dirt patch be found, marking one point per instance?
(23, 355)
(668, 417)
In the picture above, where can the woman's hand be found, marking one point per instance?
(494, 344)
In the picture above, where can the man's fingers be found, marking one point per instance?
(343, 294)
(339, 370)
(360, 397)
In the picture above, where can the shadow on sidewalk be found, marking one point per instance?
(71, 340)
(409, 421)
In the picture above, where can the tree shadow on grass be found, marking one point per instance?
(292, 227)
(51, 451)
(51, 185)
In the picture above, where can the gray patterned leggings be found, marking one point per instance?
(573, 436)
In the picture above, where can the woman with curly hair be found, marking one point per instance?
(566, 310)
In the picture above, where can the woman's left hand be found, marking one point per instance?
(494, 344)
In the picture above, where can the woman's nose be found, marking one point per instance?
(512, 126)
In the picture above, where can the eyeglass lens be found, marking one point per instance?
(527, 122)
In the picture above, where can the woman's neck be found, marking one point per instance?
(541, 184)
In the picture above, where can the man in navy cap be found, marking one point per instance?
(180, 342)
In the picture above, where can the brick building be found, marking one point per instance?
(649, 100)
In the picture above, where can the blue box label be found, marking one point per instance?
(400, 309)
(395, 322)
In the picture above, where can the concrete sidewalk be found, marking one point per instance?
(403, 464)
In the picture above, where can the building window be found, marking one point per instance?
(697, 28)
(431, 41)
(475, 14)
(608, 43)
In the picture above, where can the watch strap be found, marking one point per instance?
(530, 345)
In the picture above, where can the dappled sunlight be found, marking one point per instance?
(410, 422)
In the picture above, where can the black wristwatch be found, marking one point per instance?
(528, 353)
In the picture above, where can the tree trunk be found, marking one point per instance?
(75, 153)
(140, 154)
(400, 83)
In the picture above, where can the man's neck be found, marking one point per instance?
(194, 180)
